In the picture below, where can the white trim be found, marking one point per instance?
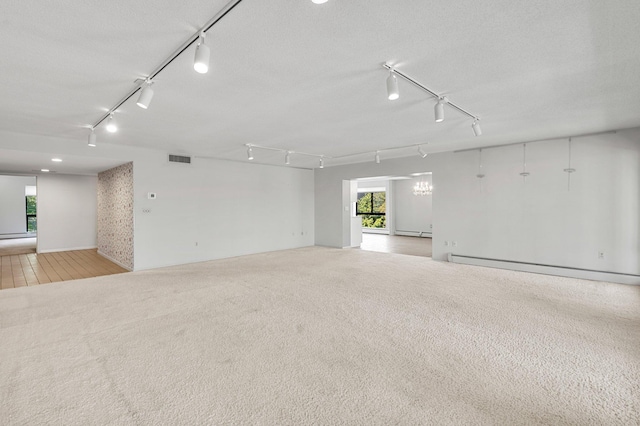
(67, 249)
(110, 259)
(375, 231)
(593, 275)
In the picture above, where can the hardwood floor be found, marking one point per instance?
(413, 246)
(34, 269)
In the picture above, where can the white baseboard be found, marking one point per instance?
(110, 259)
(67, 249)
(561, 271)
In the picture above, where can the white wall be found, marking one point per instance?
(13, 209)
(541, 221)
(413, 213)
(226, 208)
(538, 222)
(66, 212)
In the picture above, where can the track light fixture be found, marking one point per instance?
(439, 109)
(92, 139)
(321, 165)
(287, 158)
(146, 94)
(392, 87)
(201, 61)
(422, 153)
(476, 127)
(111, 124)
(377, 157)
(249, 152)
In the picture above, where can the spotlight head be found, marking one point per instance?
(392, 87)
(111, 124)
(146, 94)
(92, 139)
(201, 61)
(377, 158)
(287, 158)
(422, 153)
(439, 110)
(321, 163)
(249, 153)
(476, 128)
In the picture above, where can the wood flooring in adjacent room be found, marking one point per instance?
(413, 246)
(33, 269)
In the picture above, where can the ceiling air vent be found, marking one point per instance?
(179, 159)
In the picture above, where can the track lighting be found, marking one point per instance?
(392, 87)
(249, 153)
(439, 110)
(321, 163)
(377, 157)
(111, 124)
(476, 128)
(92, 139)
(201, 61)
(422, 153)
(146, 94)
(287, 158)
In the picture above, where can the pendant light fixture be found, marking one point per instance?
(392, 87)
(111, 124)
(92, 139)
(422, 188)
(146, 94)
(201, 61)
(524, 173)
(569, 169)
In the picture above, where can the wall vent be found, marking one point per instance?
(179, 159)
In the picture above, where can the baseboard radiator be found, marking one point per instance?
(563, 271)
(425, 234)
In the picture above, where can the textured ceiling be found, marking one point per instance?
(294, 75)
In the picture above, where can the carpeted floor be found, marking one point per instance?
(17, 246)
(321, 336)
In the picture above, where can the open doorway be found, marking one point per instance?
(395, 214)
(18, 215)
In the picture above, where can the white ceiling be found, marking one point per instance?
(294, 75)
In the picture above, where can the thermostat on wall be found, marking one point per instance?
(151, 195)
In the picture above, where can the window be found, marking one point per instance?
(31, 213)
(371, 207)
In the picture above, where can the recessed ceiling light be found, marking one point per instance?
(56, 160)
(319, 1)
(44, 170)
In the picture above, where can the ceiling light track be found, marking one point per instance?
(191, 40)
(286, 151)
(440, 98)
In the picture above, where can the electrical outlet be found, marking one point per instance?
(600, 255)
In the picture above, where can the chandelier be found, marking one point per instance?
(422, 188)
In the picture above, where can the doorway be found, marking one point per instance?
(18, 215)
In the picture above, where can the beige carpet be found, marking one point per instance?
(17, 246)
(321, 336)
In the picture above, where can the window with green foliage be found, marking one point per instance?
(371, 207)
(31, 213)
